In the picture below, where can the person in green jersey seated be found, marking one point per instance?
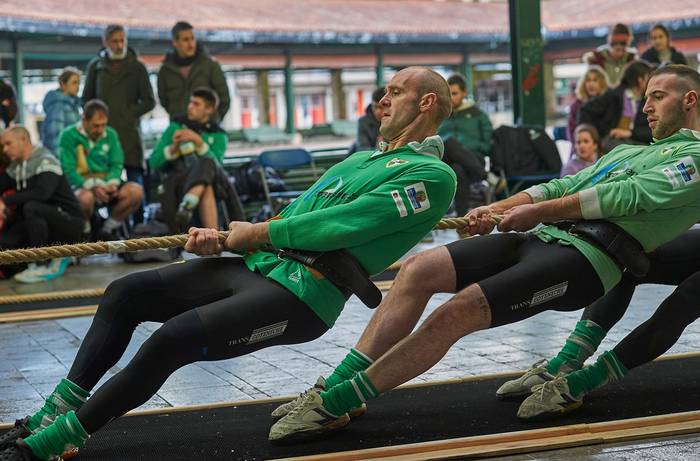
(92, 160)
(189, 156)
(607, 217)
(375, 205)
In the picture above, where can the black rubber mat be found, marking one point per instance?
(45, 305)
(399, 417)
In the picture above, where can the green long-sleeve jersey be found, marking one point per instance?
(104, 157)
(652, 192)
(214, 147)
(377, 205)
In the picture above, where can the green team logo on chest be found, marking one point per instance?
(669, 151)
(394, 162)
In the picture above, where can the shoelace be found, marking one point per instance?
(304, 398)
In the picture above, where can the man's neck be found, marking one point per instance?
(201, 121)
(410, 136)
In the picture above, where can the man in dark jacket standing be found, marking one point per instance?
(188, 67)
(368, 124)
(120, 80)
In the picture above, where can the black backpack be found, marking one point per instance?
(523, 151)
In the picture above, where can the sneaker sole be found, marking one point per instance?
(514, 397)
(357, 412)
(353, 414)
(309, 435)
(553, 414)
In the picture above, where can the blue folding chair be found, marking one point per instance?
(291, 165)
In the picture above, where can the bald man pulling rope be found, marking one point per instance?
(374, 205)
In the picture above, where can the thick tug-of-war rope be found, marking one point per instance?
(148, 243)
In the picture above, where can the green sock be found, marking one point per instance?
(581, 344)
(606, 369)
(354, 362)
(349, 394)
(67, 396)
(189, 201)
(64, 433)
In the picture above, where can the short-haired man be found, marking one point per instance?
(468, 124)
(92, 159)
(503, 278)
(187, 67)
(374, 206)
(189, 156)
(120, 80)
(467, 134)
(45, 208)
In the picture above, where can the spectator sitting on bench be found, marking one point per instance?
(41, 211)
(190, 154)
(92, 159)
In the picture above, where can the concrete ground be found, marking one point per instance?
(35, 355)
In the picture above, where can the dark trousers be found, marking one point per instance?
(468, 169)
(135, 174)
(198, 171)
(41, 224)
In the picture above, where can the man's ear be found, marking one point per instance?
(427, 101)
(691, 100)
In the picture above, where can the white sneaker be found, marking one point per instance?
(306, 420)
(552, 398)
(520, 387)
(35, 273)
(282, 410)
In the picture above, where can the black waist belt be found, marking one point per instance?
(341, 269)
(624, 249)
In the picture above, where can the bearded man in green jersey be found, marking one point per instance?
(375, 206)
(607, 217)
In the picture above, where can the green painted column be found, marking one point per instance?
(263, 97)
(465, 68)
(379, 69)
(17, 73)
(289, 92)
(338, 95)
(527, 62)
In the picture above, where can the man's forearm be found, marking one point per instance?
(559, 209)
(521, 198)
(260, 234)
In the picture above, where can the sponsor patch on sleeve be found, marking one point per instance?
(399, 203)
(417, 197)
(682, 173)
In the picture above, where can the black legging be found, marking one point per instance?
(675, 263)
(212, 309)
(521, 275)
